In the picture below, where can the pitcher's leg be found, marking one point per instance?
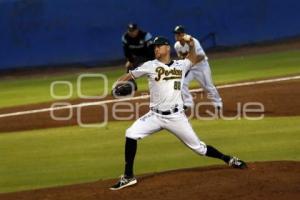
(144, 126)
(182, 129)
(130, 151)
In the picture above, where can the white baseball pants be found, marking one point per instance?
(202, 74)
(177, 123)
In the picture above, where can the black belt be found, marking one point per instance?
(168, 112)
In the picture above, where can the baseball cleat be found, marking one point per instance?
(237, 163)
(124, 182)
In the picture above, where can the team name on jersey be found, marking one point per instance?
(168, 73)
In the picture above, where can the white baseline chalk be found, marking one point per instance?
(27, 112)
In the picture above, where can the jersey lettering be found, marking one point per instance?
(169, 74)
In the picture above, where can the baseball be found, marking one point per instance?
(187, 37)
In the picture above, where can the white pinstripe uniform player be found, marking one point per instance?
(165, 79)
(201, 71)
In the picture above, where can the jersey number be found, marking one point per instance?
(177, 85)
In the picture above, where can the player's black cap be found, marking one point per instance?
(132, 27)
(179, 29)
(159, 40)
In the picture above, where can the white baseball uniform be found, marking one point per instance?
(166, 104)
(201, 72)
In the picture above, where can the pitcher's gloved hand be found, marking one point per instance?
(124, 89)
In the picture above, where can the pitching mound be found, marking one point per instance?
(264, 180)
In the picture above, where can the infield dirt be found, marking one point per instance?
(278, 99)
(262, 180)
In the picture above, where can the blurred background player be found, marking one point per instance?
(137, 47)
(201, 71)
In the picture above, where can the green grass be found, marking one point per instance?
(34, 90)
(256, 66)
(37, 89)
(61, 156)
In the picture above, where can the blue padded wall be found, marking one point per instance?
(51, 32)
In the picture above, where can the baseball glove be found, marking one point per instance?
(124, 89)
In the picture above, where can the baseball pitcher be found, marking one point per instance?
(165, 77)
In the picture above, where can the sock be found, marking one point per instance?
(130, 150)
(214, 153)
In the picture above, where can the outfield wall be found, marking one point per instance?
(55, 32)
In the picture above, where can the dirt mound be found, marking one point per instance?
(263, 180)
